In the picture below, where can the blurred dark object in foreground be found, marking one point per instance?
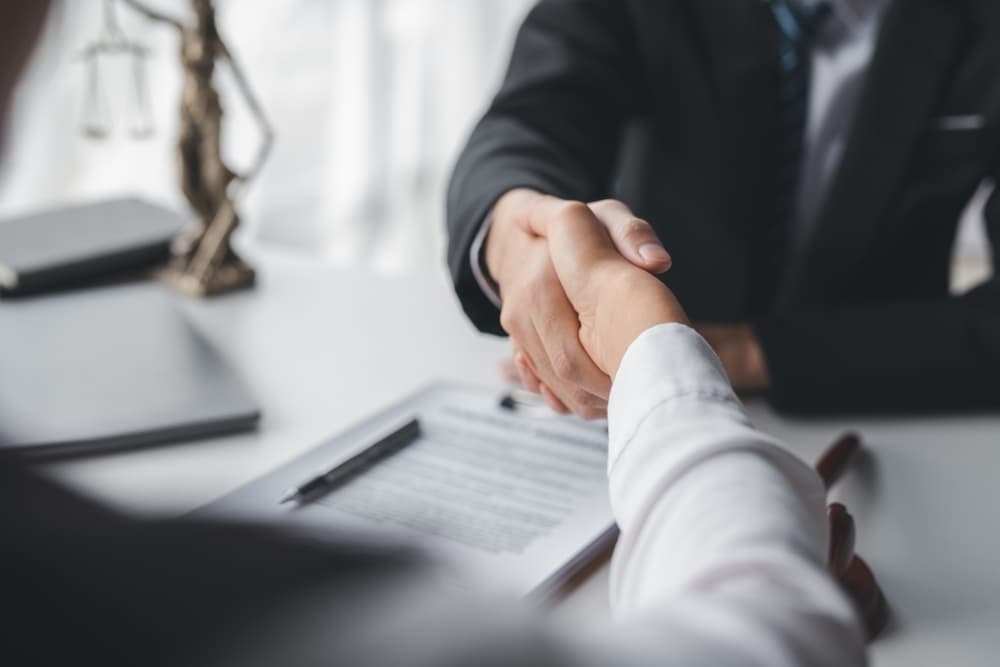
(86, 585)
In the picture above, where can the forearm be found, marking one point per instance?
(723, 532)
(533, 135)
(503, 155)
(494, 163)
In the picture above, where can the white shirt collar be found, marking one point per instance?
(854, 13)
(850, 17)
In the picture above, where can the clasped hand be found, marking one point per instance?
(577, 286)
(572, 302)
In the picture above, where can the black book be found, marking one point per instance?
(69, 247)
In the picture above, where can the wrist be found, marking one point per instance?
(741, 355)
(631, 303)
(758, 375)
(504, 229)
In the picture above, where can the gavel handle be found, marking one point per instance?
(840, 549)
(853, 574)
(849, 569)
(835, 460)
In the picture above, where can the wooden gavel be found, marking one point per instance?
(848, 568)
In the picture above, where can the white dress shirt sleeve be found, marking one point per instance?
(720, 561)
(723, 532)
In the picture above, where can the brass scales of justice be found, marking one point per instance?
(203, 261)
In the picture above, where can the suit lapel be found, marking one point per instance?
(917, 50)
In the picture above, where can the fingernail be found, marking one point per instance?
(653, 253)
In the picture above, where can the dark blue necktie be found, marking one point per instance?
(798, 26)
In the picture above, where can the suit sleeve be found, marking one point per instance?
(933, 356)
(555, 126)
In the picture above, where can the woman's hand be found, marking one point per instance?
(615, 300)
(537, 314)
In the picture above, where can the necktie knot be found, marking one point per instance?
(800, 23)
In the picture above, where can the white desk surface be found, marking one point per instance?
(321, 348)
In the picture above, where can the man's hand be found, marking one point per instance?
(740, 353)
(615, 300)
(544, 326)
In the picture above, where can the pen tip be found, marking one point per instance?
(288, 497)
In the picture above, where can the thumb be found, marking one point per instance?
(633, 237)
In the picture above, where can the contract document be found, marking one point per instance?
(511, 501)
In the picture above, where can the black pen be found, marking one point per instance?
(384, 447)
(521, 399)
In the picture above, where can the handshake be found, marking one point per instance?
(577, 285)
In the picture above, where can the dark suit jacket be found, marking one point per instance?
(672, 106)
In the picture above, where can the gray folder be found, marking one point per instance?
(110, 368)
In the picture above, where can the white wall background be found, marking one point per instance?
(371, 100)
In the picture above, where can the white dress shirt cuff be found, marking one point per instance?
(664, 363)
(479, 271)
